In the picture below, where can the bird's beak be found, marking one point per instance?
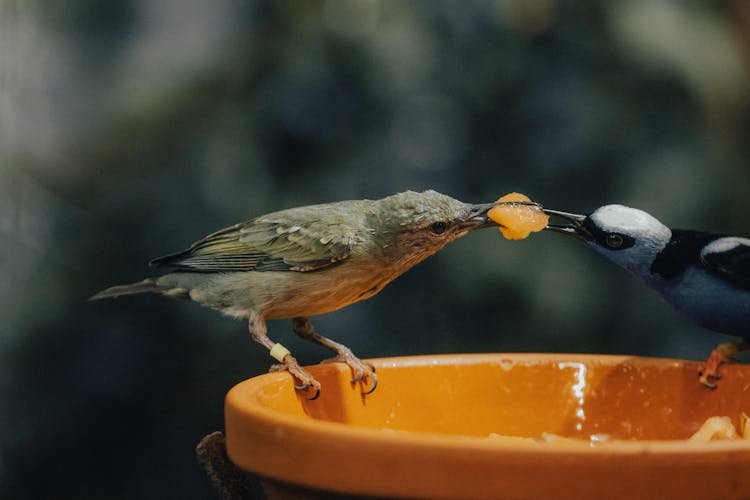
(573, 225)
(477, 217)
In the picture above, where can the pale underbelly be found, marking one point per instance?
(276, 295)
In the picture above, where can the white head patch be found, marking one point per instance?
(648, 234)
(630, 221)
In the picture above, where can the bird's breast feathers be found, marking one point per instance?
(711, 301)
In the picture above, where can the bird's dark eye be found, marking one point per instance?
(614, 241)
(439, 227)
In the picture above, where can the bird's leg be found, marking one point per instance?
(257, 328)
(304, 329)
(724, 353)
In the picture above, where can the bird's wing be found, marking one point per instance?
(729, 257)
(266, 244)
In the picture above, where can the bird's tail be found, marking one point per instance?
(147, 285)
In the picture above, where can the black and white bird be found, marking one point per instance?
(704, 275)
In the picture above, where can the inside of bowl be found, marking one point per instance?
(518, 395)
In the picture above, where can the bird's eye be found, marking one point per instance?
(439, 227)
(614, 240)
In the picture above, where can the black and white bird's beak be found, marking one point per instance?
(572, 226)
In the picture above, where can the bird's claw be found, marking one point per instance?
(361, 373)
(723, 354)
(361, 370)
(291, 365)
(705, 378)
(374, 385)
(361, 377)
(706, 375)
(305, 387)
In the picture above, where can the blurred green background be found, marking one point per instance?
(130, 129)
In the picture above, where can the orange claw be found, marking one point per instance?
(723, 354)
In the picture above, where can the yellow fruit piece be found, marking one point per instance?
(516, 220)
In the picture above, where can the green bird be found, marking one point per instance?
(311, 260)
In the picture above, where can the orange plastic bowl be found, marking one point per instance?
(469, 426)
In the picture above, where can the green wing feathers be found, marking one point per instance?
(265, 245)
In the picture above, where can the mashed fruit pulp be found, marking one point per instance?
(517, 219)
(713, 429)
(721, 428)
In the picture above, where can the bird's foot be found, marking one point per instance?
(360, 369)
(307, 382)
(723, 354)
